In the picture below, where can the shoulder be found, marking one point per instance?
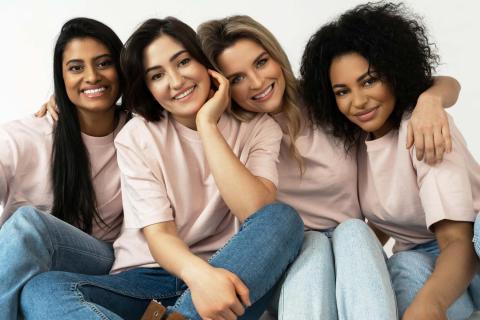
(29, 129)
(142, 133)
(262, 122)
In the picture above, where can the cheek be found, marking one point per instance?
(344, 107)
(341, 105)
(70, 87)
(112, 76)
(238, 94)
(158, 92)
(279, 73)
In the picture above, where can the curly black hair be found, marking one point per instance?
(396, 46)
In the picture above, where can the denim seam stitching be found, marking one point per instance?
(81, 298)
(85, 251)
(126, 293)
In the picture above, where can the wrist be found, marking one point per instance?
(435, 301)
(193, 271)
(205, 124)
(430, 98)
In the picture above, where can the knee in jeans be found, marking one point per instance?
(411, 264)
(24, 216)
(315, 241)
(39, 291)
(316, 250)
(285, 223)
(283, 219)
(24, 221)
(352, 228)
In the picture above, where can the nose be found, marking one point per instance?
(92, 76)
(256, 81)
(359, 99)
(176, 80)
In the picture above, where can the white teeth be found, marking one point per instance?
(184, 94)
(264, 93)
(93, 91)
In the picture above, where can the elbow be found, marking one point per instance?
(257, 204)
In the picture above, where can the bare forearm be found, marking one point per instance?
(445, 89)
(243, 192)
(453, 272)
(172, 253)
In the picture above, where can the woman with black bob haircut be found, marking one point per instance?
(190, 173)
(362, 75)
(67, 168)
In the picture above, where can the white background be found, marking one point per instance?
(28, 31)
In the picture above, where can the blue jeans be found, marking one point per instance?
(476, 235)
(339, 274)
(32, 242)
(411, 269)
(258, 254)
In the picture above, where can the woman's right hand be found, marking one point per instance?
(219, 294)
(218, 100)
(50, 106)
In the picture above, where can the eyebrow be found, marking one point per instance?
(254, 61)
(173, 57)
(95, 58)
(363, 76)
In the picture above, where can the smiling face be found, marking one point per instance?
(179, 83)
(89, 74)
(361, 96)
(257, 81)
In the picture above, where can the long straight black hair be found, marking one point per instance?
(74, 198)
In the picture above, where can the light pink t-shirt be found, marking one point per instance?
(166, 177)
(25, 171)
(404, 197)
(326, 194)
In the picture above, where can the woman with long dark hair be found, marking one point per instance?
(59, 181)
(201, 234)
(362, 76)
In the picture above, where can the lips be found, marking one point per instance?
(265, 94)
(184, 93)
(366, 115)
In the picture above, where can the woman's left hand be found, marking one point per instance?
(218, 101)
(428, 129)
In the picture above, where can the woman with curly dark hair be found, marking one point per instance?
(362, 75)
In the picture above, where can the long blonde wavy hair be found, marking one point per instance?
(218, 35)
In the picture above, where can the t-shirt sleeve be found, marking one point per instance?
(445, 188)
(265, 146)
(144, 195)
(7, 163)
